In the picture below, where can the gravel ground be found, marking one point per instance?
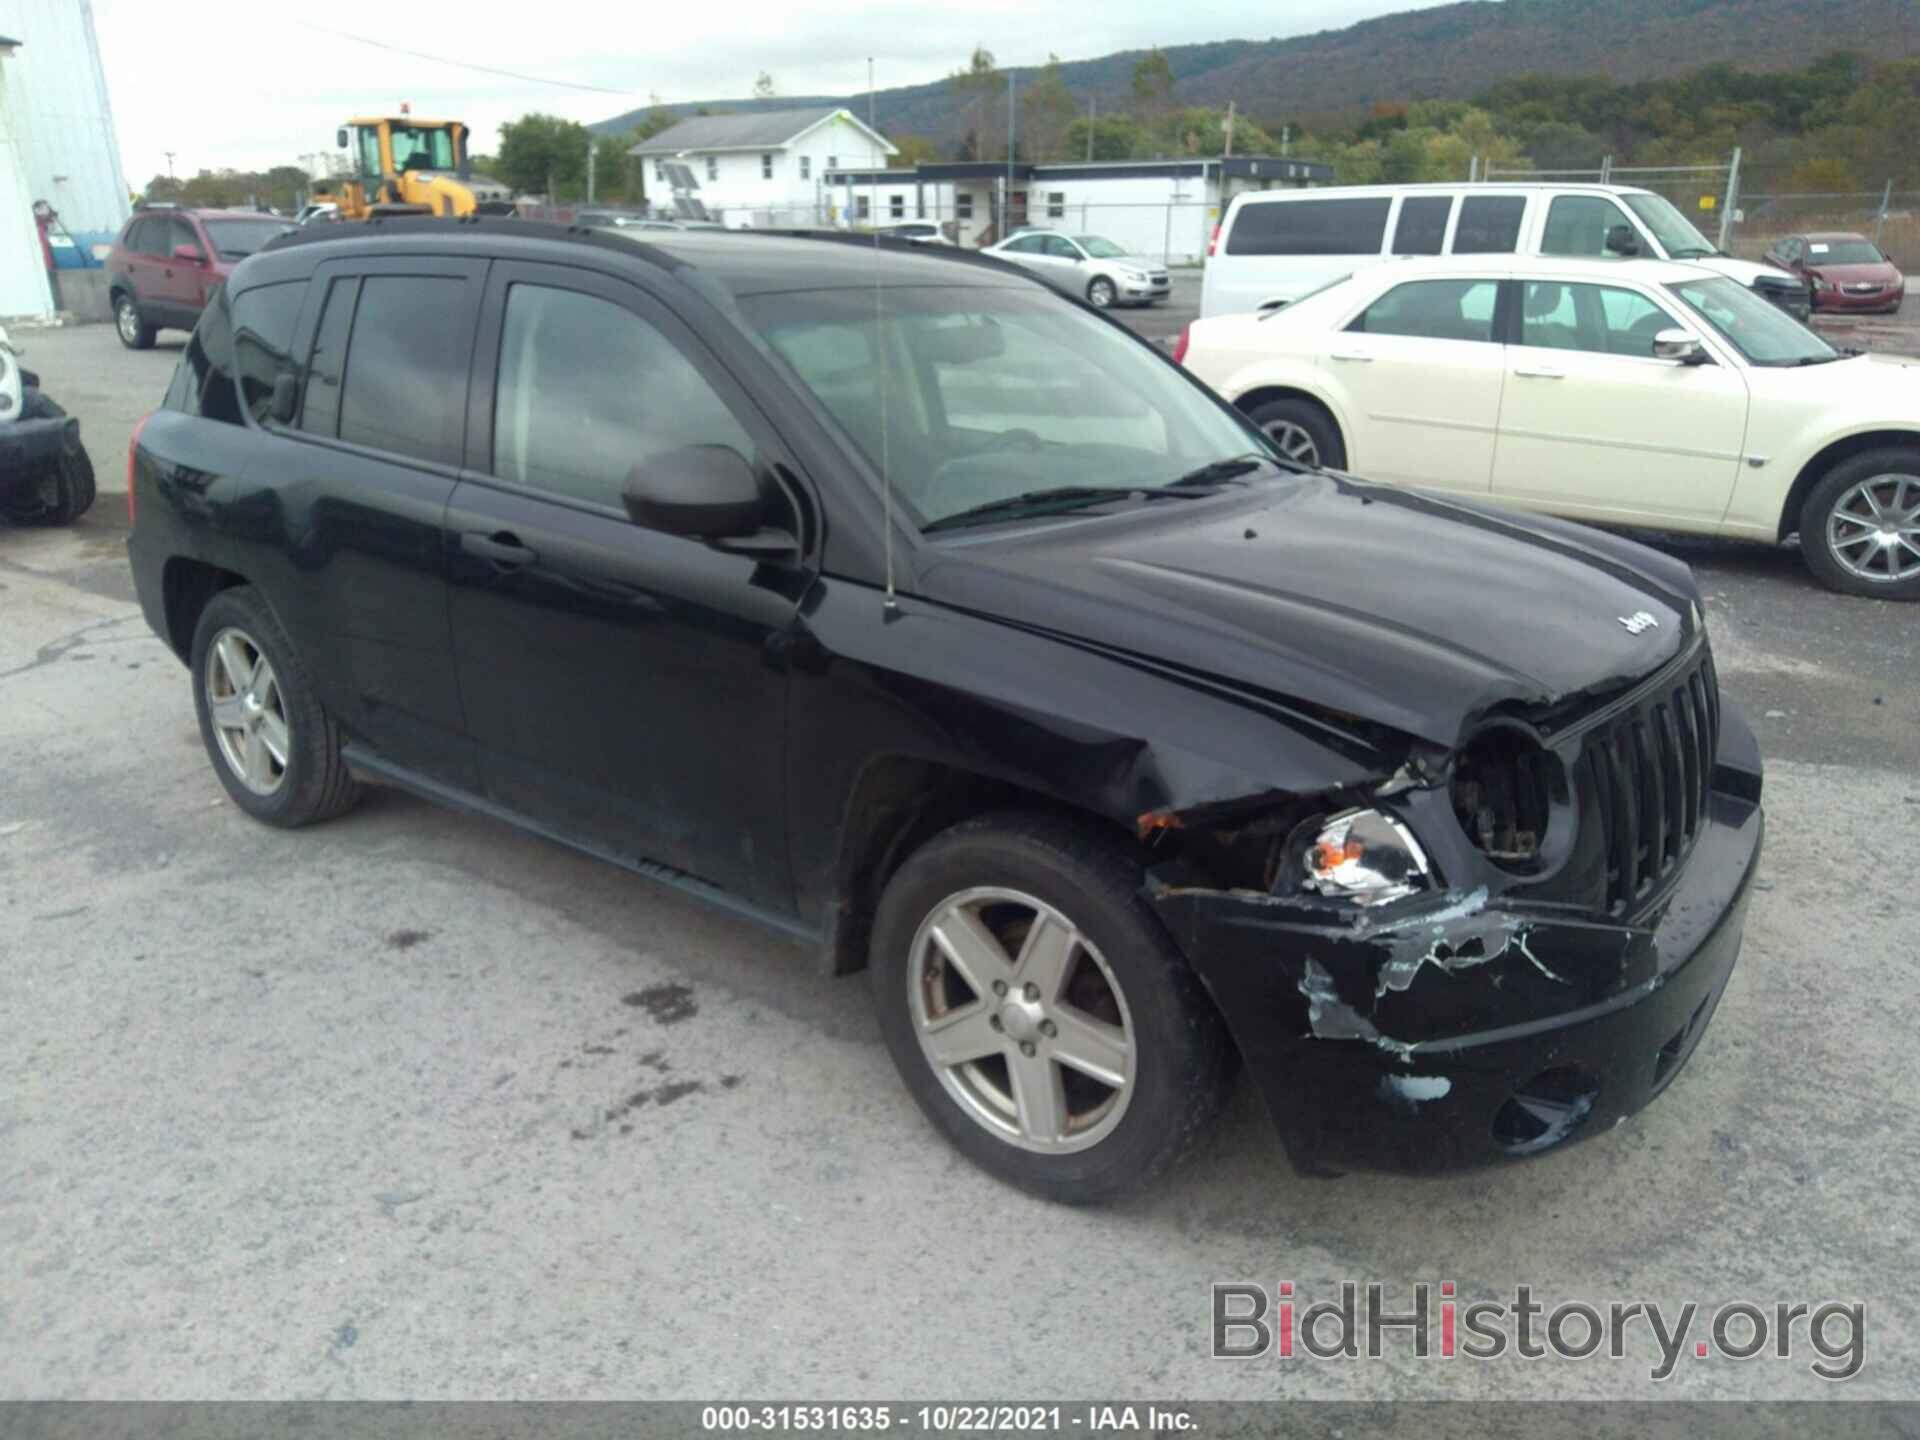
(413, 1105)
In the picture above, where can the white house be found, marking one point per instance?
(766, 167)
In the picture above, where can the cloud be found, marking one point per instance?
(248, 86)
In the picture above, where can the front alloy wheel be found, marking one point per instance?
(1037, 1010)
(1021, 1020)
(1101, 294)
(1874, 529)
(1860, 526)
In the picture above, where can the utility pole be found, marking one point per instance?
(1009, 207)
(1093, 102)
(1732, 201)
(591, 157)
(169, 155)
(1229, 131)
(1286, 141)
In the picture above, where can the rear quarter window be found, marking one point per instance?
(203, 380)
(1310, 227)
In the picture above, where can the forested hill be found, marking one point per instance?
(1449, 52)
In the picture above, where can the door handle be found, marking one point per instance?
(1539, 372)
(502, 547)
(1359, 357)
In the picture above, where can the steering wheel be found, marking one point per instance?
(1019, 438)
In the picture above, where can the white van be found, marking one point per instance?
(1276, 245)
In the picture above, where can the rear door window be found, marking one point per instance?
(1489, 225)
(389, 365)
(1433, 310)
(1310, 227)
(263, 324)
(203, 381)
(1423, 224)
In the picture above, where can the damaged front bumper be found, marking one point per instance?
(1463, 1029)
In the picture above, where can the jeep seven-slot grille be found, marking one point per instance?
(1646, 773)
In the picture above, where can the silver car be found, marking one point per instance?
(1087, 265)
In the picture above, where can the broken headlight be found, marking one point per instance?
(1362, 856)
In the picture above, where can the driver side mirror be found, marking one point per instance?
(704, 492)
(1679, 347)
(189, 255)
(1622, 241)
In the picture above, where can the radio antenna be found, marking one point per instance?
(890, 607)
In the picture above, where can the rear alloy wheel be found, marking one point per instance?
(1860, 528)
(272, 743)
(1038, 1013)
(134, 332)
(1302, 431)
(1100, 293)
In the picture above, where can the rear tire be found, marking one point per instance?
(134, 332)
(58, 493)
(1303, 430)
(1840, 537)
(247, 714)
(1110, 992)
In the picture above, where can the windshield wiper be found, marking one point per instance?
(1057, 498)
(1800, 360)
(1216, 472)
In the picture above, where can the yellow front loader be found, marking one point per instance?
(407, 166)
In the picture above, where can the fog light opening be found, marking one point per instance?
(1546, 1111)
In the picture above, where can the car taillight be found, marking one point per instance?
(1213, 240)
(133, 451)
(1180, 345)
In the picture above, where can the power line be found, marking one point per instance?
(461, 64)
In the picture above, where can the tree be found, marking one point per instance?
(543, 153)
(1046, 110)
(763, 86)
(1115, 137)
(979, 88)
(618, 178)
(914, 150)
(1152, 86)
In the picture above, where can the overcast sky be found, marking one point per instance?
(244, 83)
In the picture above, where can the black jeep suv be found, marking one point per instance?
(895, 601)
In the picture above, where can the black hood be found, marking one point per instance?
(1406, 609)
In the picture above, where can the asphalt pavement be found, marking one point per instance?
(411, 1104)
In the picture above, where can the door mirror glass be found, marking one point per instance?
(1680, 347)
(1622, 241)
(707, 492)
(286, 398)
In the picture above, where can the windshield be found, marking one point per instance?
(422, 148)
(990, 394)
(1843, 252)
(1099, 247)
(237, 239)
(1759, 330)
(1672, 229)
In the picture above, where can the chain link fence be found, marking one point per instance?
(1888, 217)
(1174, 232)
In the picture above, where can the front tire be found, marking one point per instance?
(1100, 293)
(1039, 1014)
(271, 741)
(1303, 431)
(1860, 526)
(134, 332)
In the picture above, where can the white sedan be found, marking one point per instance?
(1625, 392)
(1090, 266)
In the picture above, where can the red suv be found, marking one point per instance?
(168, 260)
